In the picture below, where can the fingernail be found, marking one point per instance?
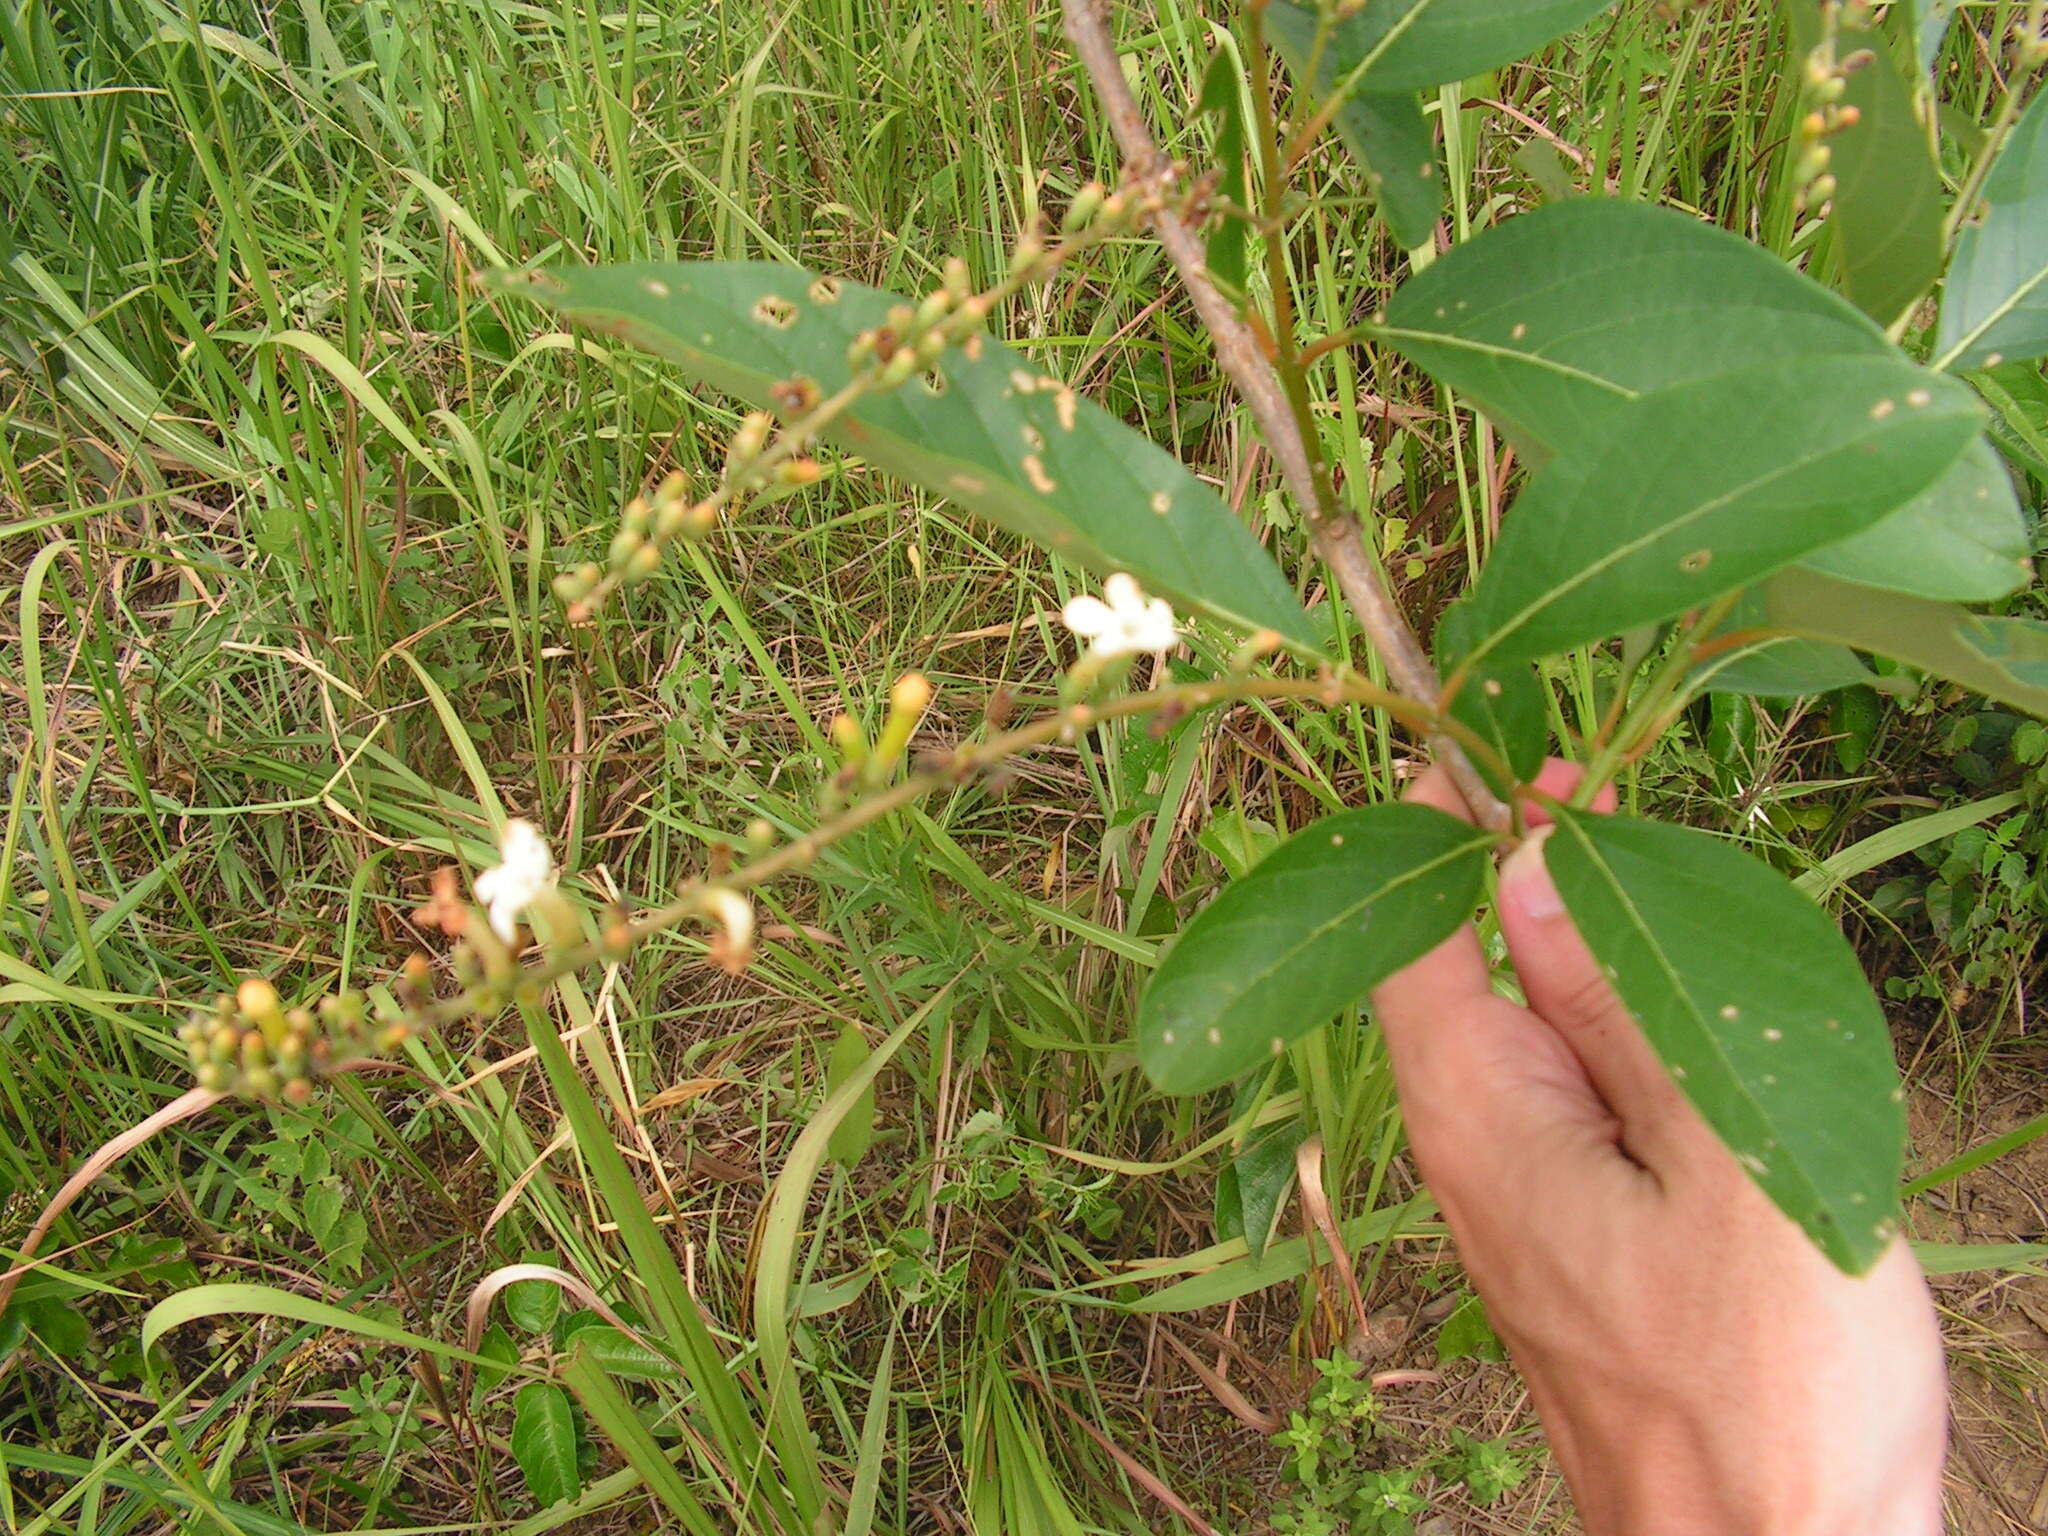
(1526, 882)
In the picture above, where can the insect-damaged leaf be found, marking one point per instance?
(1704, 487)
(1551, 320)
(984, 428)
(1756, 1004)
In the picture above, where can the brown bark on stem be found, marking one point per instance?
(1333, 529)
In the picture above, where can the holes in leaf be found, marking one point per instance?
(1696, 562)
(934, 381)
(826, 290)
(773, 309)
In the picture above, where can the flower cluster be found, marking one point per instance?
(1122, 622)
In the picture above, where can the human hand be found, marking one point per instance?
(1699, 1367)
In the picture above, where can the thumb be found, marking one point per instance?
(1567, 989)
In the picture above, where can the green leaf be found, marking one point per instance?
(1409, 45)
(1963, 539)
(1754, 1000)
(1384, 131)
(615, 1350)
(532, 1305)
(58, 1326)
(1964, 1258)
(1995, 305)
(2002, 658)
(1238, 841)
(1318, 923)
(1550, 320)
(1505, 702)
(1782, 669)
(1930, 28)
(985, 429)
(1553, 319)
(1885, 221)
(1259, 1179)
(1227, 254)
(1704, 487)
(496, 1346)
(544, 1443)
(1776, 666)
(850, 1137)
(1467, 1334)
(1225, 1271)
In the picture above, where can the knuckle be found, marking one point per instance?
(1585, 1004)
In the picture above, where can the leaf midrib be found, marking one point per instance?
(1320, 931)
(1612, 557)
(1705, 1030)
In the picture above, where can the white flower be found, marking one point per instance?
(1128, 624)
(526, 870)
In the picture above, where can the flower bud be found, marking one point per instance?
(954, 277)
(846, 736)
(626, 543)
(638, 514)
(733, 946)
(645, 562)
(760, 835)
(802, 471)
(1082, 210)
(933, 308)
(1822, 189)
(1025, 259)
(749, 439)
(672, 520)
(898, 369)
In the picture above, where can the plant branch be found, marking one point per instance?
(1334, 531)
(692, 900)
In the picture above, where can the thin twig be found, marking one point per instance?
(1333, 529)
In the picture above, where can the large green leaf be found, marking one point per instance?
(1963, 539)
(1408, 45)
(1995, 304)
(1317, 923)
(984, 429)
(1885, 221)
(544, 1443)
(1704, 487)
(1506, 703)
(1754, 1000)
(1385, 132)
(1550, 320)
(2002, 658)
(1776, 666)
